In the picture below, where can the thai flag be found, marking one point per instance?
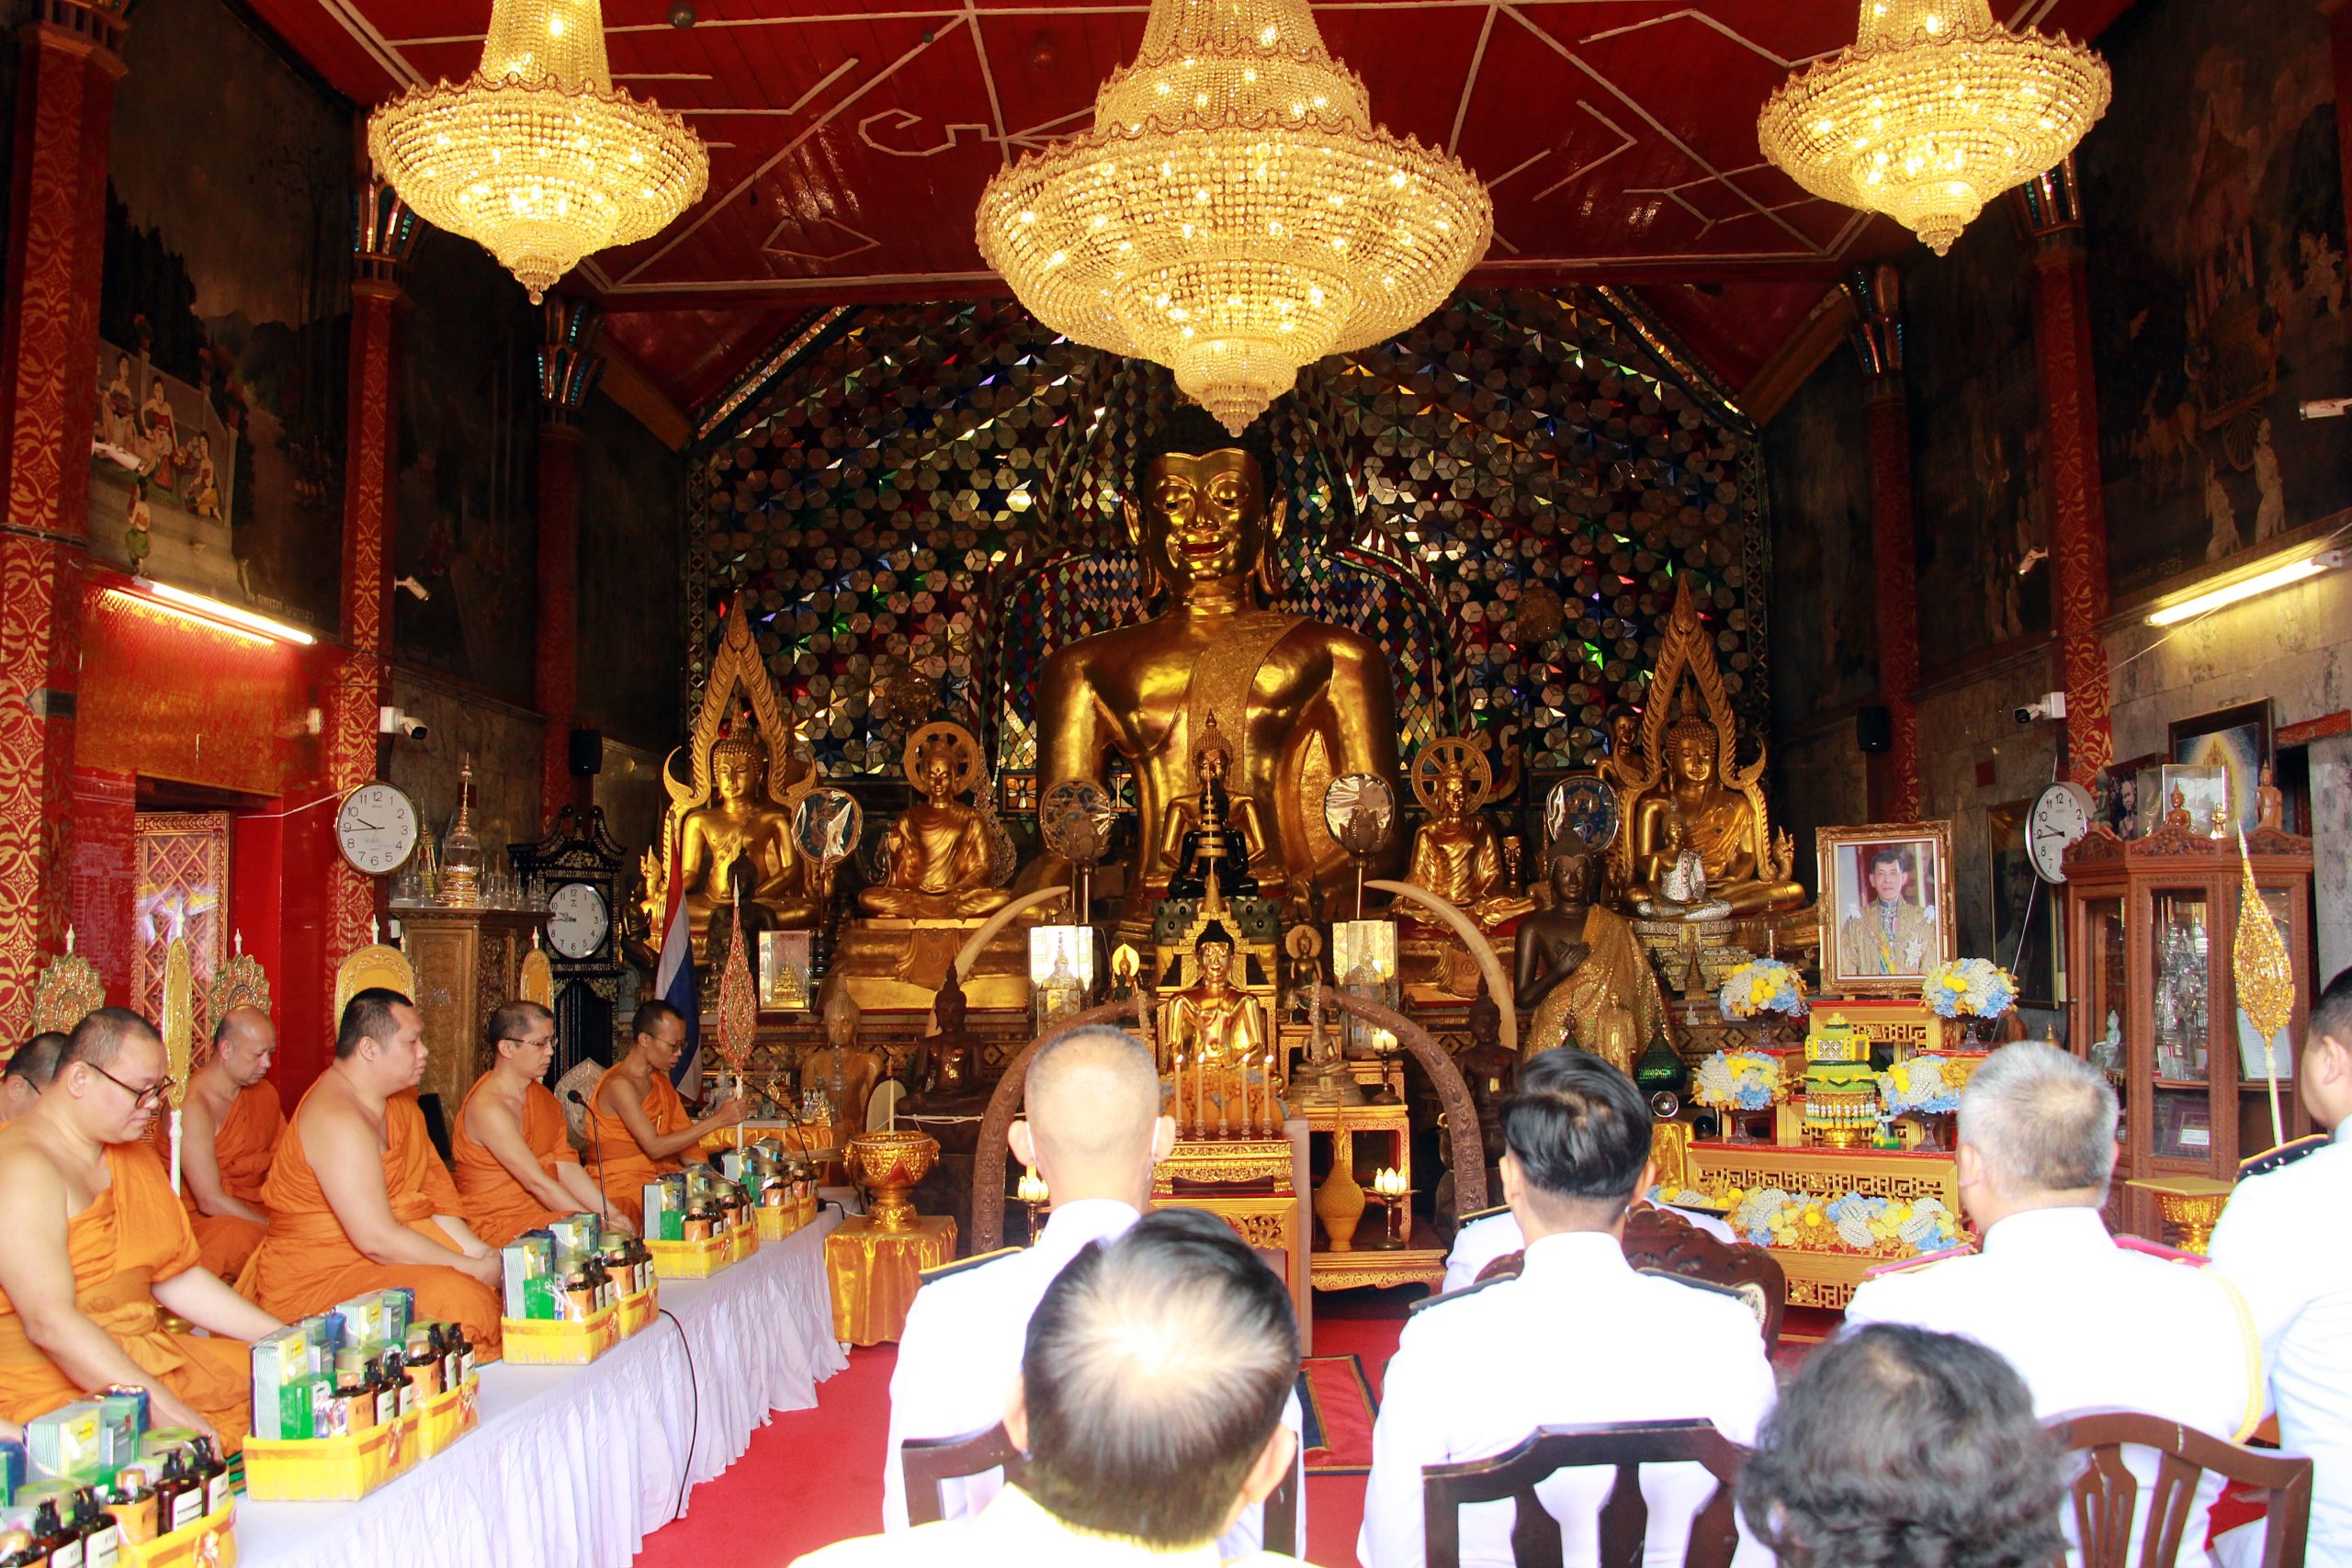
(674, 982)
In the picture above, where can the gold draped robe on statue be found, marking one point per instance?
(1612, 996)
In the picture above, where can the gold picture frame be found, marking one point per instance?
(1860, 957)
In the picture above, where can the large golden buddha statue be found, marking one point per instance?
(1300, 702)
(940, 854)
(1457, 854)
(730, 818)
(1680, 787)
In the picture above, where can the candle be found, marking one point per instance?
(1176, 1066)
(1200, 1086)
(1273, 1116)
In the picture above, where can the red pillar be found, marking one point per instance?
(568, 373)
(2339, 52)
(2061, 343)
(49, 348)
(1878, 339)
(361, 681)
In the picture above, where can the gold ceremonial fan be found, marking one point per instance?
(2264, 977)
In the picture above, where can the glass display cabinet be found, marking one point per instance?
(2150, 926)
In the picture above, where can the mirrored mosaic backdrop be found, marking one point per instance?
(924, 503)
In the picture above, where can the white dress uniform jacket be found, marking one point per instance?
(2089, 1324)
(1476, 1373)
(1014, 1532)
(2282, 1242)
(960, 1356)
(1495, 1234)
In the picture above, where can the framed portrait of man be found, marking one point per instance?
(1887, 905)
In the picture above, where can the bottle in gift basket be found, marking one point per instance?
(17, 1550)
(213, 1471)
(134, 1506)
(51, 1538)
(701, 1223)
(423, 1364)
(352, 1410)
(404, 1393)
(179, 1497)
(465, 1352)
(436, 1338)
(101, 1537)
(386, 1387)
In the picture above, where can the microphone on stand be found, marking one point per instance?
(597, 1135)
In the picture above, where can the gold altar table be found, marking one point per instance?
(872, 1274)
(1826, 1274)
(1419, 1257)
(1257, 1186)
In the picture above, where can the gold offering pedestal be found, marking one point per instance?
(874, 1263)
(2190, 1205)
(1394, 1252)
(890, 1165)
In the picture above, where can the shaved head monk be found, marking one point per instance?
(358, 1200)
(29, 1068)
(229, 1130)
(516, 1167)
(638, 1126)
(99, 1247)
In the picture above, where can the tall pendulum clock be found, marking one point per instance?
(579, 868)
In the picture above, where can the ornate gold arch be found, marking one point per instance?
(789, 774)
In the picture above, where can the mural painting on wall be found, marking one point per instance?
(1981, 516)
(926, 504)
(1825, 642)
(2219, 298)
(233, 288)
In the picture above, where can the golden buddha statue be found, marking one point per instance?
(940, 854)
(1301, 701)
(1680, 788)
(1579, 965)
(730, 820)
(1214, 833)
(1457, 854)
(1212, 1021)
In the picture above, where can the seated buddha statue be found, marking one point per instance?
(1299, 701)
(1219, 1029)
(1216, 835)
(945, 1071)
(1456, 854)
(1691, 809)
(741, 826)
(938, 852)
(1580, 967)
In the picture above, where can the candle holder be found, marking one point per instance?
(1034, 1193)
(1388, 1190)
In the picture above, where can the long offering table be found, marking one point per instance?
(573, 1466)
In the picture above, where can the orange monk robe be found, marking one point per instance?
(135, 1233)
(243, 1147)
(496, 1205)
(625, 1166)
(306, 1262)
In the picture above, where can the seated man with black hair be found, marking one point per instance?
(28, 1069)
(1895, 1447)
(1150, 1405)
(1478, 1370)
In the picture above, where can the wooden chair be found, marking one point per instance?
(1658, 1241)
(928, 1462)
(2106, 1494)
(1625, 1516)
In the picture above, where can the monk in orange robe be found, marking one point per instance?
(229, 1130)
(358, 1200)
(516, 1167)
(98, 1248)
(28, 1069)
(638, 1128)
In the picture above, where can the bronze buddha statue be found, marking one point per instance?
(1301, 701)
(939, 854)
(1216, 835)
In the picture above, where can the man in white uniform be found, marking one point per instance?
(1094, 1130)
(1477, 1371)
(2282, 1242)
(2087, 1323)
(1149, 1399)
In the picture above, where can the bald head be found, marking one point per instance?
(111, 1078)
(243, 1042)
(28, 1069)
(1093, 1099)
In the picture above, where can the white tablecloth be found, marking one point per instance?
(573, 1466)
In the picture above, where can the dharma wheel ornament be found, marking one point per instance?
(1933, 112)
(536, 156)
(1234, 214)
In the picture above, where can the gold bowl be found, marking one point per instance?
(889, 1164)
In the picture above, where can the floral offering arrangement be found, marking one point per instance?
(1767, 985)
(1918, 1087)
(1739, 1080)
(1970, 987)
(1886, 1227)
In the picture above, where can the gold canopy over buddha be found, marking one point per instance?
(1299, 701)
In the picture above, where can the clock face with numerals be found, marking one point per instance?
(577, 919)
(376, 828)
(2062, 816)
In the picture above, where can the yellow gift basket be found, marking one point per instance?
(330, 1470)
(538, 1342)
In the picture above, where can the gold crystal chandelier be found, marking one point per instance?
(1234, 214)
(537, 156)
(1936, 110)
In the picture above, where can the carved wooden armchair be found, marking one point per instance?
(1659, 1241)
(1625, 1516)
(2104, 1495)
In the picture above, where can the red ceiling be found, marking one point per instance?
(850, 139)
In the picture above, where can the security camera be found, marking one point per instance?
(392, 721)
(2052, 705)
(681, 15)
(2325, 408)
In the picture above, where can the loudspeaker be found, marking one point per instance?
(587, 751)
(1873, 729)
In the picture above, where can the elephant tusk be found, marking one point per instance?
(1498, 983)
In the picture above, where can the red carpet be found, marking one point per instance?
(1339, 1415)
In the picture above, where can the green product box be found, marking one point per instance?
(65, 1443)
(529, 1263)
(281, 1384)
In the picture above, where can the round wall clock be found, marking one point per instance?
(2062, 816)
(577, 919)
(376, 828)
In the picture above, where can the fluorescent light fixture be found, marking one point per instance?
(228, 615)
(2261, 578)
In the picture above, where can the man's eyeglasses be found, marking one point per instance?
(140, 1097)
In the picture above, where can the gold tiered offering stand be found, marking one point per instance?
(1250, 1183)
(1825, 1272)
